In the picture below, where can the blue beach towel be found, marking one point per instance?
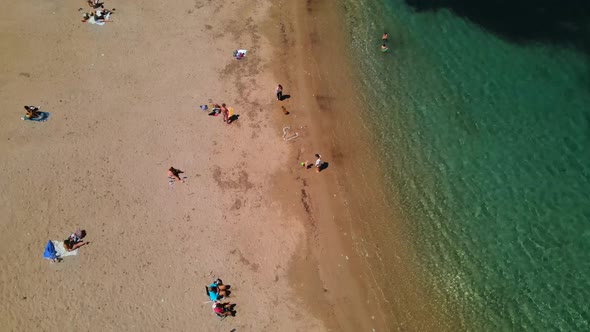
(44, 117)
(50, 252)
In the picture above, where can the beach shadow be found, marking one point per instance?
(324, 166)
(232, 309)
(523, 21)
(284, 97)
(233, 118)
(43, 116)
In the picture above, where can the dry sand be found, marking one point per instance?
(124, 103)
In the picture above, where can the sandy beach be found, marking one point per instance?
(124, 101)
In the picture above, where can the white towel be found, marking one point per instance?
(61, 251)
(93, 21)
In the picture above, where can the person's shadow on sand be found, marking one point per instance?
(283, 97)
(322, 167)
(233, 118)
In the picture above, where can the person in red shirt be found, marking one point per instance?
(223, 309)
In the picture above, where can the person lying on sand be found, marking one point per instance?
(70, 245)
(174, 174)
(32, 112)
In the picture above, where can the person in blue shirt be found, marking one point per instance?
(217, 290)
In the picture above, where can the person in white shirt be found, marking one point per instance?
(318, 163)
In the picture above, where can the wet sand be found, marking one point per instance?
(124, 103)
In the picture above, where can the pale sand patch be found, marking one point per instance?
(124, 100)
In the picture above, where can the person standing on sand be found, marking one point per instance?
(225, 113)
(174, 174)
(279, 91)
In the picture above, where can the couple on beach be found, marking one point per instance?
(216, 291)
(228, 116)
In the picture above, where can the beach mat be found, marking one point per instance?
(44, 117)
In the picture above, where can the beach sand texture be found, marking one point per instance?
(124, 102)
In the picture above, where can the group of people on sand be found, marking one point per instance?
(217, 291)
(100, 15)
(228, 117)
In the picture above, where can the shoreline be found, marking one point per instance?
(326, 272)
(339, 215)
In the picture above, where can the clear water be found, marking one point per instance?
(487, 146)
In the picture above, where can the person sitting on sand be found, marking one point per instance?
(70, 245)
(224, 309)
(32, 112)
(216, 110)
(385, 36)
(77, 236)
(217, 290)
(174, 174)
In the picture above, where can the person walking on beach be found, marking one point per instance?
(174, 174)
(279, 91)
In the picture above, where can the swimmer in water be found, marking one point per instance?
(385, 36)
(384, 48)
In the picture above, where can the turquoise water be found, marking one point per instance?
(485, 143)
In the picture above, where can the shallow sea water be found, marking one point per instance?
(485, 144)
